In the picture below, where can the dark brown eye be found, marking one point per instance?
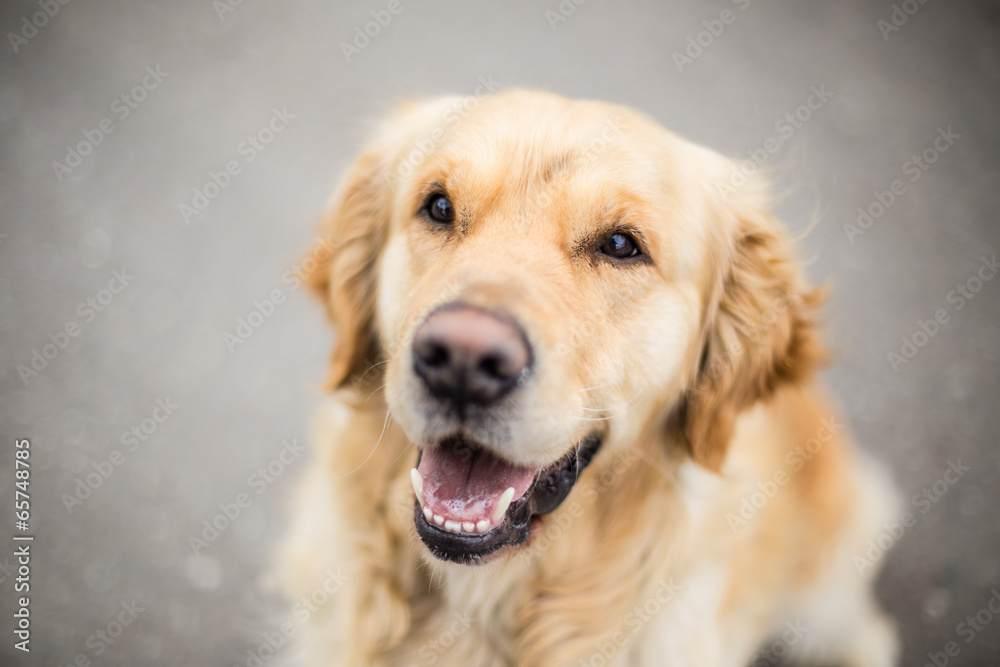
(620, 246)
(439, 209)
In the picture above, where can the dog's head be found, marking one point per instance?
(542, 278)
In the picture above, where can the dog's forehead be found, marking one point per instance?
(527, 145)
(547, 139)
(525, 158)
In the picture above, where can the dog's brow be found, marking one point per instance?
(556, 166)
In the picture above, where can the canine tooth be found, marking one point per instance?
(418, 484)
(428, 514)
(438, 519)
(483, 526)
(453, 526)
(503, 504)
(468, 526)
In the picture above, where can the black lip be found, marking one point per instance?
(547, 491)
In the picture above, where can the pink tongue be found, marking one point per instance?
(465, 485)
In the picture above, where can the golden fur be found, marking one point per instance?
(697, 367)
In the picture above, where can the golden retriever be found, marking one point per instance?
(573, 420)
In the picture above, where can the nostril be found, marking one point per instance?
(492, 366)
(436, 355)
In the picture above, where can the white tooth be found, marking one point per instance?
(483, 526)
(468, 526)
(418, 485)
(453, 526)
(438, 519)
(503, 504)
(428, 514)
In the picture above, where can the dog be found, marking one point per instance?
(573, 417)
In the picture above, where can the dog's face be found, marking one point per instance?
(543, 278)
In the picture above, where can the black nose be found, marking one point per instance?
(466, 355)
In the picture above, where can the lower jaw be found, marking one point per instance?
(547, 492)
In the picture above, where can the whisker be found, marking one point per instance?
(373, 367)
(596, 386)
(385, 425)
(377, 390)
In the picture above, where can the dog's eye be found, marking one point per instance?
(620, 246)
(439, 209)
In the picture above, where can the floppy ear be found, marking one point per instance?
(757, 332)
(352, 233)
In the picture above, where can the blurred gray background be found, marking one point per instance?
(225, 67)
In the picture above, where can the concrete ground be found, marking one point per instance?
(97, 255)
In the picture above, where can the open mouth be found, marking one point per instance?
(471, 503)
